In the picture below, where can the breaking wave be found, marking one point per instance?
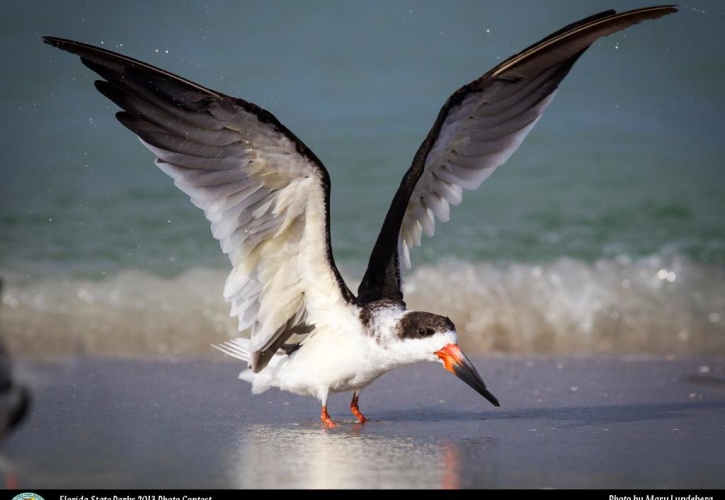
(655, 305)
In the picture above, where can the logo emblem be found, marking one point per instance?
(28, 496)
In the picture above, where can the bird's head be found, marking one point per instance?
(430, 337)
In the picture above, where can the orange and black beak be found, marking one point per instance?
(459, 365)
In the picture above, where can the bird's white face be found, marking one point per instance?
(415, 337)
(424, 349)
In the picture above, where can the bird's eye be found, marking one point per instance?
(421, 332)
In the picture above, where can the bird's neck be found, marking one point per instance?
(383, 319)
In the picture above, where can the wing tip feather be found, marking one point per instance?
(634, 16)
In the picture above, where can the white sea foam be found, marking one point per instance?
(653, 305)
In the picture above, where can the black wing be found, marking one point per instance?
(479, 128)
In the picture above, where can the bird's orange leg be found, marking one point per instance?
(356, 409)
(326, 420)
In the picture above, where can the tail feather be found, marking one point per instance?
(239, 348)
(236, 348)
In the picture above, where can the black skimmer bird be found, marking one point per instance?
(267, 197)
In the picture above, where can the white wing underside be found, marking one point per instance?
(265, 194)
(266, 204)
(479, 134)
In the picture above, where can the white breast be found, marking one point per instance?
(342, 355)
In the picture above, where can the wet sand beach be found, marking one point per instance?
(563, 422)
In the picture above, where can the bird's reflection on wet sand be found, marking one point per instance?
(352, 456)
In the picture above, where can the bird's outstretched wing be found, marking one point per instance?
(265, 193)
(479, 128)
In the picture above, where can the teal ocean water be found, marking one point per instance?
(604, 232)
